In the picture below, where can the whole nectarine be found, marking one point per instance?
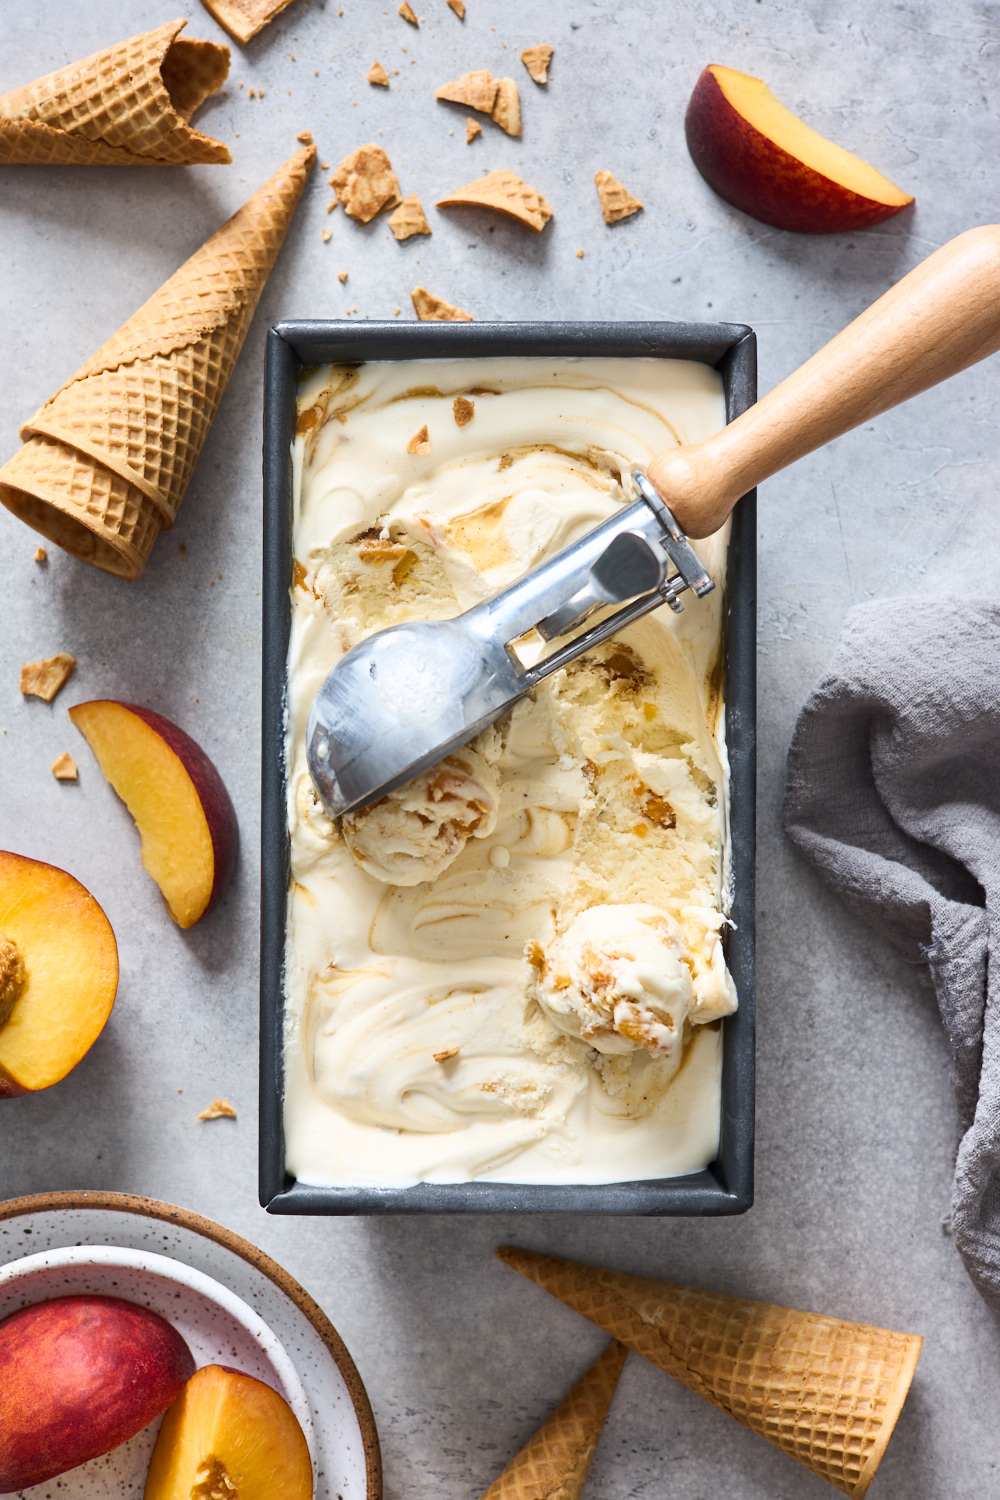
(176, 796)
(229, 1434)
(766, 161)
(80, 1375)
(58, 973)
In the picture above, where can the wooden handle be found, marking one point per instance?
(941, 318)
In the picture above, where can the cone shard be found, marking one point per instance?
(106, 461)
(825, 1391)
(555, 1462)
(130, 105)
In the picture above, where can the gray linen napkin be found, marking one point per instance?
(894, 796)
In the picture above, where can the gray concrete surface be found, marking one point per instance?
(855, 1117)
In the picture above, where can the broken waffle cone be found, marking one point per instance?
(106, 461)
(244, 18)
(505, 193)
(554, 1464)
(825, 1391)
(130, 105)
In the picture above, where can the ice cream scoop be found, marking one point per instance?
(413, 833)
(619, 978)
(405, 697)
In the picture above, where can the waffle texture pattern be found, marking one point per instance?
(554, 1464)
(129, 105)
(106, 461)
(825, 1391)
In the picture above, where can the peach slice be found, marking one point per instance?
(80, 1375)
(176, 796)
(764, 160)
(58, 973)
(226, 1436)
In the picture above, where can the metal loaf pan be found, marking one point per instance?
(725, 1187)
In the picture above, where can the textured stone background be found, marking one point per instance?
(855, 1119)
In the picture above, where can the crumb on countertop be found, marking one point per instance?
(219, 1109)
(64, 767)
(616, 201)
(431, 309)
(537, 59)
(409, 219)
(43, 679)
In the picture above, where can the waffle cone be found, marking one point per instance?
(130, 105)
(825, 1391)
(554, 1464)
(106, 461)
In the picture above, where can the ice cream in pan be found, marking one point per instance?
(511, 966)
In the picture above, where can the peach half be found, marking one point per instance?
(182, 810)
(229, 1435)
(58, 973)
(79, 1376)
(764, 160)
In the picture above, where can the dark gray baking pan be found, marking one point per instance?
(725, 1187)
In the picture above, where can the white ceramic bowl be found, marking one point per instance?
(217, 1326)
(232, 1304)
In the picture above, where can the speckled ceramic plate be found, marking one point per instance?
(231, 1302)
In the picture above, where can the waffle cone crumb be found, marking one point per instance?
(431, 309)
(44, 679)
(616, 201)
(219, 1109)
(506, 109)
(365, 183)
(243, 19)
(64, 767)
(409, 219)
(476, 90)
(505, 193)
(537, 59)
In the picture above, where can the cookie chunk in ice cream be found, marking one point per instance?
(619, 978)
(412, 834)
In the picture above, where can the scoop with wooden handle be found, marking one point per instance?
(405, 697)
(941, 318)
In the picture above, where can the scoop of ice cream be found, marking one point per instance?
(412, 834)
(619, 979)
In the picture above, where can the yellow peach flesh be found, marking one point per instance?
(70, 973)
(229, 1437)
(152, 781)
(753, 100)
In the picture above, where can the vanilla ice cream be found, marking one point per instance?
(412, 834)
(512, 967)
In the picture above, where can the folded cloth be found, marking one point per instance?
(894, 796)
